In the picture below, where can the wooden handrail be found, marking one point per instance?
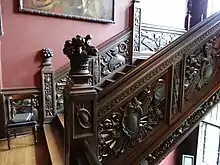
(164, 95)
(170, 49)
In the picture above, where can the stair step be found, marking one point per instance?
(117, 75)
(105, 83)
(55, 145)
(138, 61)
(61, 118)
(98, 88)
(127, 68)
(110, 80)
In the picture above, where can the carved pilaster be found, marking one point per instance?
(136, 26)
(79, 97)
(48, 88)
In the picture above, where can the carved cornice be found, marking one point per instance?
(157, 68)
(185, 127)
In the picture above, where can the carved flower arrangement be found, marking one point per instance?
(79, 50)
(47, 54)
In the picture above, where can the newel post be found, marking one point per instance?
(48, 86)
(79, 97)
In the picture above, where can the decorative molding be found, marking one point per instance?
(190, 122)
(133, 122)
(150, 75)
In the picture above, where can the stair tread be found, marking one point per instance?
(55, 145)
(123, 73)
(61, 118)
(110, 80)
(99, 88)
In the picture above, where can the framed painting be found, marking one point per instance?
(92, 10)
(187, 160)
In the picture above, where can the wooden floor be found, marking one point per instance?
(24, 152)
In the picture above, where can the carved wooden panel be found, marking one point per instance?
(152, 41)
(177, 86)
(200, 66)
(59, 92)
(83, 118)
(132, 122)
(48, 94)
(190, 122)
(136, 29)
(114, 58)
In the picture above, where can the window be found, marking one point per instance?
(208, 151)
(213, 6)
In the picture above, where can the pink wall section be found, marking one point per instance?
(26, 34)
(170, 159)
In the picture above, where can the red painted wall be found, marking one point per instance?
(170, 159)
(26, 34)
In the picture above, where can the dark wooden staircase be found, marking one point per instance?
(142, 109)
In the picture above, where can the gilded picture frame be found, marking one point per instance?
(92, 10)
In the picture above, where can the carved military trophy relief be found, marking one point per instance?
(133, 122)
(79, 96)
(200, 67)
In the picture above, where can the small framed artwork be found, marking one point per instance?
(92, 10)
(187, 160)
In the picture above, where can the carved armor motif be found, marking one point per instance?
(114, 58)
(133, 122)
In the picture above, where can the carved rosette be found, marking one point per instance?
(176, 102)
(114, 58)
(154, 41)
(84, 118)
(137, 29)
(183, 128)
(200, 66)
(48, 94)
(133, 122)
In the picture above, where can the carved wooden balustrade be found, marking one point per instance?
(157, 105)
(162, 100)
